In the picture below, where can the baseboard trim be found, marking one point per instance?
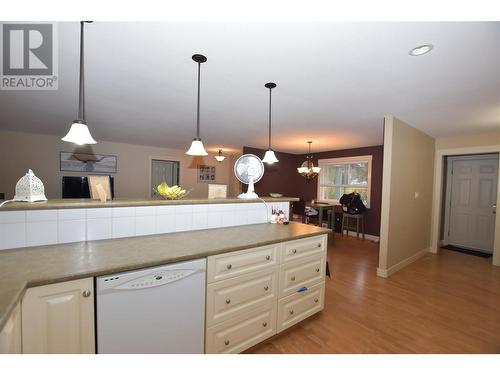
(370, 237)
(386, 272)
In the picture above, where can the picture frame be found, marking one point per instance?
(87, 163)
(206, 173)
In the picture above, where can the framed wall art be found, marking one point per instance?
(206, 173)
(87, 163)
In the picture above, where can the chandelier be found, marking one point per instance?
(307, 169)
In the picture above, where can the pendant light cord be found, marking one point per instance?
(81, 99)
(270, 93)
(198, 110)
(309, 157)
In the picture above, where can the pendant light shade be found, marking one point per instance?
(270, 157)
(220, 158)
(197, 148)
(79, 132)
(307, 169)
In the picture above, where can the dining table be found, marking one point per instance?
(320, 206)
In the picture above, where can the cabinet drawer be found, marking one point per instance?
(301, 273)
(297, 307)
(228, 298)
(223, 266)
(238, 334)
(299, 249)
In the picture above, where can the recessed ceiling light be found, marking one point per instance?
(421, 50)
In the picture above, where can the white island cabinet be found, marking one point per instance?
(59, 318)
(10, 335)
(255, 293)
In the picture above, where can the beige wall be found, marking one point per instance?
(408, 170)
(21, 151)
(473, 140)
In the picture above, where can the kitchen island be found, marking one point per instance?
(30, 267)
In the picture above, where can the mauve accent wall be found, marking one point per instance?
(283, 178)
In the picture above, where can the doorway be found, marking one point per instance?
(470, 202)
(163, 171)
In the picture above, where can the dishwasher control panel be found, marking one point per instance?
(147, 281)
(156, 279)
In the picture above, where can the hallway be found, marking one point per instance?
(445, 303)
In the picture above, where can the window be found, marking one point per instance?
(163, 171)
(343, 176)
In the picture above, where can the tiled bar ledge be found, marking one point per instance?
(56, 222)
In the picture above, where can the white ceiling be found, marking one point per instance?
(335, 81)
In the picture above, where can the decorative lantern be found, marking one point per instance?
(29, 189)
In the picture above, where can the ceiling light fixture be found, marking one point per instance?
(197, 148)
(421, 50)
(307, 169)
(79, 132)
(220, 158)
(269, 157)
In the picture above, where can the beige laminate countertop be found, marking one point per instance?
(23, 268)
(53, 204)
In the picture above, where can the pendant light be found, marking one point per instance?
(220, 158)
(269, 157)
(79, 132)
(197, 148)
(307, 169)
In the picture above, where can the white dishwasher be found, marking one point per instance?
(152, 310)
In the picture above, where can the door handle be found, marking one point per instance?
(494, 208)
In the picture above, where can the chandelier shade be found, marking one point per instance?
(307, 169)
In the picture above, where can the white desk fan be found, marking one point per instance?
(249, 169)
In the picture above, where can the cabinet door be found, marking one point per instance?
(10, 336)
(59, 318)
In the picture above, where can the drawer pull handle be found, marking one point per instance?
(293, 278)
(226, 342)
(86, 293)
(228, 301)
(294, 251)
(317, 269)
(291, 312)
(264, 324)
(266, 288)
(319, 245)
(229, 266)
(316, 300)
(268, 257)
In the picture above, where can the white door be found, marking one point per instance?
(473, 194)
(59, 318)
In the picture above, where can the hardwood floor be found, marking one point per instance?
(445, 303)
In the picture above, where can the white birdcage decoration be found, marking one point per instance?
(30, 188)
